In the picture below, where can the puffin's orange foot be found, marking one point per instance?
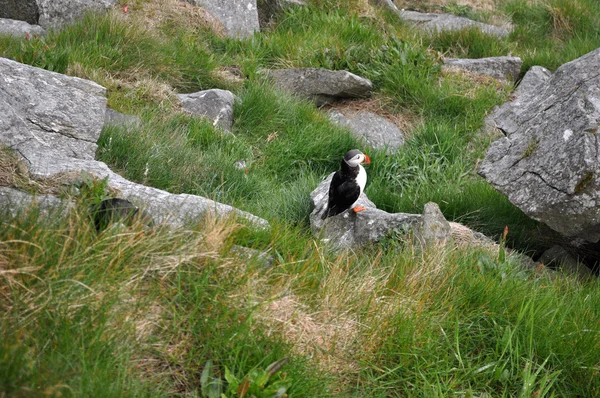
(357, 209)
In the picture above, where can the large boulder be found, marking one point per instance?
(376, 131)
(57, 13)
(501, 68)
(21, 10)
(432, 22)
(46, 111)
(17, 28)
(53, 122)
(239, 17)
(321, 85)
(548, 162)
(215, 105)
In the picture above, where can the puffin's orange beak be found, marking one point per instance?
(367, 159)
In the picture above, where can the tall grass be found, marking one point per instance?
(162, 313)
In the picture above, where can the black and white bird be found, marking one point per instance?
(347, 184)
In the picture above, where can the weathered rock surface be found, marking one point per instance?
(215, 105)
(548, 162)
(500, 68)
(446, 22)
(21, 10)
(45, 111)
(375, 130)
(13, 201)
(118, 119)
(19, 28)
(239, 17)
(57, 13)
(351, 230)
(434, 229)
(321, 85)
(53, 122)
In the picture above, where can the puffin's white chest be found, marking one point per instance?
(361, 178)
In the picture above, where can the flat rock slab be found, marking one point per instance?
(21, 10)
(53, 122)
(548, 163)
(376, 131)
(14, 201)
(44, 110)
(446, 22)
(321, 85)
(239, 17)
(19, 28)
(57, 13)
(501, 68)
(215, 105)
(164, 207)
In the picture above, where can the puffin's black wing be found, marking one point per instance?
(343, 192)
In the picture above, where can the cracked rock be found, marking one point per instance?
(548, 162)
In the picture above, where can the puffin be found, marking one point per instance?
(347, 184)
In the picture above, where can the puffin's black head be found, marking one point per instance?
(354, 157)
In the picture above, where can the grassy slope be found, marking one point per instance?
(143, 313)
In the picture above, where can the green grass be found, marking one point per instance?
(138, 313)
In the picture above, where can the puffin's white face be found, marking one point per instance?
(358, 159)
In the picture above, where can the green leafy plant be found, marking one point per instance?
(257, 383)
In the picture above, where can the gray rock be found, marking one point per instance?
(19, 28)
(117, 119)
(239, 17)
(375, 130)
(446, 22)
(53, 122)
(21, 10)
(14, 201)
(548, 162)
(44, 110)
(500, 68)
(57, 13)
(351, 230)
(215, 105)
(558, 256)
(434, 229)
(534, 78)
(321, 85)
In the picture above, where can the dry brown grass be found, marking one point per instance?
(154, 15)
(405, 120)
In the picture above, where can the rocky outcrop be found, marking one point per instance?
(239, 17)
(446, 22)
(558, 257)
(19, 28)
(21, 10)
(215, 105)
(501, 68)
(321, 85)
(376, 131)
(53, 122)
(548, 162)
